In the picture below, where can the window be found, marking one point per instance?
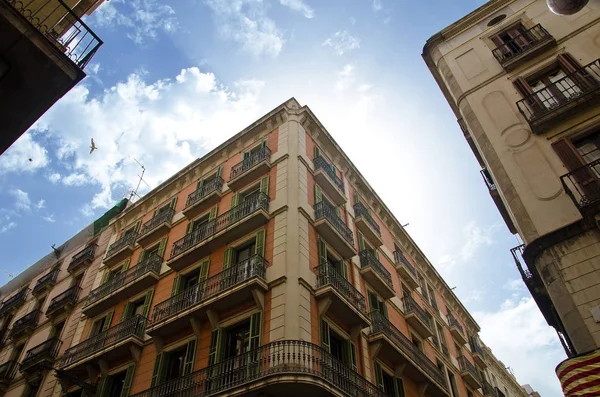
(237, 340)
(423, 287)
(16, 353)
(458, 350)
(389, 384)
(112, 273)
(31, 390)
(175, 363)
(328, 257)
(200, 223)
(341, 348)
(416, 342)
(432, 300)
(117, 385)
(453, 387)
(377, 304)
(513, 40)
(101, 324)
(469, 393)
(56, 330)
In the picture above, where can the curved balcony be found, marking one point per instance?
(156, 227)
(367, 225)
(416, 317)
(456, 329)
(326, 177)
(336, 295)
(249, 169)
(204, 198)
(376, 274)
(14, 302)
(81, 259)
(45, 283)
(406, 270)
(63, 302)
(390, 344)
(25, 325)
(469, 373)
(333, 229)
(124, 285)
(41, 356)
(290, 368)
(239, 283)
(120, 249)
(116, 344)
(519, 49)
(233, 224)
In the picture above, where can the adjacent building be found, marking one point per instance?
(524, 85)
(500, 380)
(44, 48)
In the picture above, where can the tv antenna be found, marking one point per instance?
(134, 193)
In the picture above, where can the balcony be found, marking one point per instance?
(116, 344)
(336, 295)
(250, 169)
(375, 274)
(562, 99)
(390, 344)
(156, 227)
(326, 177)
(289, 368)
(406, 270)
(124, 285)
(416, 317)
(41, 356)
(14, 302)
(45, 283)
(233, 224)
(25, 325)
(237, 284)
(478, 354)
(367, 225)
(63, 302)
(488, 389)
(50, 46)
(523, 47)
(583, 187)
(456, 329)
(469, 373)
(333, 229)
(120, 249)
(204, 198)
(82, 259)
(8, 370)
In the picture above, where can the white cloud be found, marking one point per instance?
(376, 4)
(17, 157)
(345, 77)
(40, 204)
(164, 124)
(246, 22)
(142, 19)
(49, 218)
(519, 336)
(342, 42)
(515, 285)
(474, 238)
(299, 5)
(54, 177)
(22, 201)
(6, 226)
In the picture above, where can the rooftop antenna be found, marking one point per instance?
(135, 192)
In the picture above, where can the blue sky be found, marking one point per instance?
(175, 79)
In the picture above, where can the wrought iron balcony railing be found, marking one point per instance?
(47, 350)
(466, 366)
(292, 357)
(62, 27)
(86, 254)
(328, 275)
(69, 297)
(401, 259)
(368, 258)
(133, 327)
(8, 370)
(46, 280)
(361, 210)
(255, 266)
(214, 185)
(410, 306)
(321, 163)
(263, 154)
(14, 301)
(252, 204)
(476, 349)
(327, 211)
(124, 241)
(583, 186)
(521, 44)
(575, 86)
(28, 320)
(150, 264)
(164, 216)
(487, 178)
(453, 322)
(380, 324)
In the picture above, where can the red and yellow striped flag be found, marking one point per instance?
(580, 376)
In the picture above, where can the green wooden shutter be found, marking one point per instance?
(352, 354)
(255, 330)
(104, 387)
(361, 242)
(373, 302)
(383, 309)
(156, 373)
(325, 339)
(259, 245)
(213, 213)
(204, 266)
(176, 285)
(264, 185)
(263, 144)
(322, 252)
(344, 269)
(219, 171)
(338, 213)
(379, 376)
(349, 354)
(128, 380)
(246, 155)
(399, 384)
(190, 357)
(317, 152)
(106, 275)
(200, 184)
(173, 202)
(162, 246)
(318, 194)
(137, 226)
(147, 302)
(355, 198)
(108, 320)
(235, 200)
(125, 265)
(126, 310)
(190, 226)
(227, 258)
(142, 256)
(215, 346)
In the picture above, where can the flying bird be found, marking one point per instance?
(93, 146)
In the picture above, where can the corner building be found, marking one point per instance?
(524, 85)
(269, 267)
